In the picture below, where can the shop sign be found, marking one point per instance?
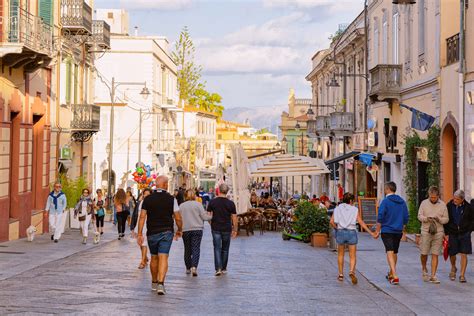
(358, 141)
(65, 153)
(372, 139)
(349, 164)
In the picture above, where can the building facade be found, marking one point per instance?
(145, 126)
(469, 102)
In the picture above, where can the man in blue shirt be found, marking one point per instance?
(392, 217)
(55, 206)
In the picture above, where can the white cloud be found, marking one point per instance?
(156, 4)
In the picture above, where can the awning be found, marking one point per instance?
(343, 157)
(282, 165)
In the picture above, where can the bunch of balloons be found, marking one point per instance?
(143, 177)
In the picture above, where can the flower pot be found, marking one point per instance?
(319, 240)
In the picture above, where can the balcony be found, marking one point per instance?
(342, 123)
(385, 82)
(323, 125)
(76, 17)
(452, 49)
(101, 34)
(26, 41)
(85, 121)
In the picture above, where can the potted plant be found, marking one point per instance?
(312, 223)
(72, 188)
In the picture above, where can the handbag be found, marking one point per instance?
(432, 229)
(445, 249)
(82, 218)
(100, 212)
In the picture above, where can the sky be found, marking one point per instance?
(251, 51)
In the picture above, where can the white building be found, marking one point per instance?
(133, 62)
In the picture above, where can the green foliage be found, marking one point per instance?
(72, 188)
(206, 101)
(262, 131)
(410, 179)
(334, 37)
(310, 219)
(189, 73)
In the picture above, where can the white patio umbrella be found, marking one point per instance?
(240, 179)
(283, 165)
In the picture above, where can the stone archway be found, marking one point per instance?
(449, 157)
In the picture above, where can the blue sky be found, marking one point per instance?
(251, 51)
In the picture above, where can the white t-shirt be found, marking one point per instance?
(345, 216)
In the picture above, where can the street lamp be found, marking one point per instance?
(333, 83)
(297, 127)
(144, 93)
(310, 114)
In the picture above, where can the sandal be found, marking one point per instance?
(394, 281)
(142, 265)
(340, 277)
(452, 275)
(462, 279)
(353, 278)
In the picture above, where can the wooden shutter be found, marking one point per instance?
(68, 81)
(76, 84)
(46, 11)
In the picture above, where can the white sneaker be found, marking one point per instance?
(154, 286)
(84, 240)
(218, 273)
(224, 271)
(161, 289)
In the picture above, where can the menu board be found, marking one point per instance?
(368, 209)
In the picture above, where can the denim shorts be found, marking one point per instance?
(160, 243)
(346, 237)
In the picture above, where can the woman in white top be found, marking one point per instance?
(134, 228)
(344, 220)
(84, 211)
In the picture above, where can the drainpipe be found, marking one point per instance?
(462, 71)
(58, 97)
(366, 64)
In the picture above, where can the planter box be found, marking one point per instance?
(319, 240)
(73, 222)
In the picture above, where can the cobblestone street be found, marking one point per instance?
(266, 276)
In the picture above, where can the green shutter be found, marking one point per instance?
(46, 11)
(68, 81)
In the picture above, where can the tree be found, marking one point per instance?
(264, 130)
(206, 101)
(189, 73)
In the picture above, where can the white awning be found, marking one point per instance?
(282, 165)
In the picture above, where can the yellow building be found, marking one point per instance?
(232, 133)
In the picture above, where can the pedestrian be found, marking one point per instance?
(193, 215)
(211, 194)
(99, 206)
(84, 212)
(458, 233)
(224, 225)
(432, 214)
(55, 206)
(161, 211)
(344, 220)
(196, 194)
(181, 193)
(122, 210)
(134, 227)
(340, 192)
(131, 202)
(324, 198)
(296, 196)
(392, 217)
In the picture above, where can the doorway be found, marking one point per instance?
(449, 170)
(423, 184)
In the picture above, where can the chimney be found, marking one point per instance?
(136, 30)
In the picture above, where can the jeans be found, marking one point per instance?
(192, 248)
(121, 221)
(115, 215)
(221, 241)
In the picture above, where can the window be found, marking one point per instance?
(395, 38)
(421, 27)
(68, 80)
(384, 39)
(46, 11)
(219, 137)
(110, 15)
(376, 44)
(452, 46)
(408, 42)
(387, 172)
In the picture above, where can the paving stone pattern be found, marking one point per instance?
(267, 276)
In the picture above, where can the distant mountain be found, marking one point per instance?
(259, 116)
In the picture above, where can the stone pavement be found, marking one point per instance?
(266, 276)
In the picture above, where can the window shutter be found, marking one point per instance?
(68, 81)
(14, 22)
(76, 74)
(46, 11)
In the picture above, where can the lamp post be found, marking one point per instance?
(144, 93)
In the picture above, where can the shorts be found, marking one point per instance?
(346, 237)
(160, 243)
(460, 244)
(431, 244)
(391, 241)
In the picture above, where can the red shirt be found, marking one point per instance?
(323, 199)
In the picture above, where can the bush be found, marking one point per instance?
(310, 219)
(72, 188)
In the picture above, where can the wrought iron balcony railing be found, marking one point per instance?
(76, 16)
(23, 32)
(342, 122)
(385, 82)
(101, 34)
(85, 121)
(452, 49)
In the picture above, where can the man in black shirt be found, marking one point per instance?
(224, 225)
(161, 211)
